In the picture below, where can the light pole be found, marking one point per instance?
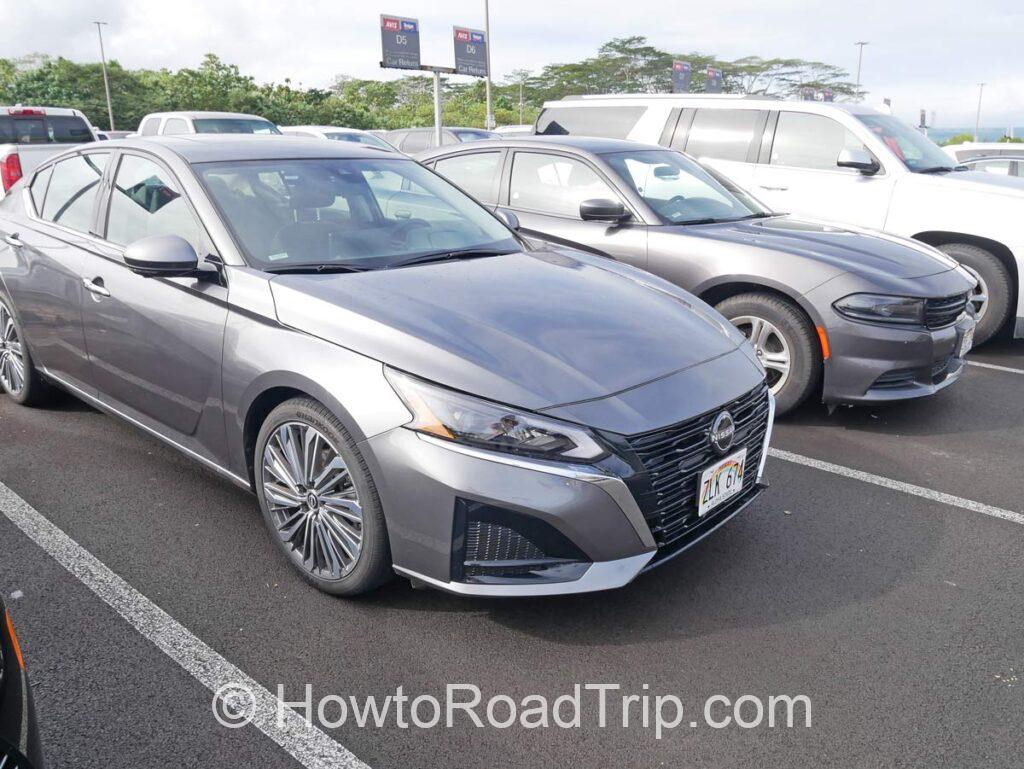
(977, 119)
(487, 34)
(106, 81)
(860, 59)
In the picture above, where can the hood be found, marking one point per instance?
(974, 181)
(534, 330)
(842, 247)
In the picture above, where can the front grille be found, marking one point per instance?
(894, 380)
(494, 542)
(675, 456)
(939, 313)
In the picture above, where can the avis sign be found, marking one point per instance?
(714, 81)
(470, 52)
(400, 42)
(682, 74)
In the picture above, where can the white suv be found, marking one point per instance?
(843, 162)
(175, 123)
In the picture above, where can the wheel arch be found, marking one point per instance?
(725, 288)
(938, 238)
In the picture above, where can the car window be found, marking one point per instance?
(472, 135)
(359, 138)
(1000, 167)
(607, 122)
(38, 187)
(417, 141)
(233, 125)
(40, 129)
(149, 126)
(803, 140)
(474, 172)
(915, 150)
(554, 184)
(147, 201)
(722, 134)
(175, 125)
(72, 191)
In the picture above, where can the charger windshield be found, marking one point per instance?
(358, 213)
(679, 190)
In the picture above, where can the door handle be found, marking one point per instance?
(95, 286)
(774, 189)
(13, 240)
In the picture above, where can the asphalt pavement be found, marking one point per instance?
(898, 617)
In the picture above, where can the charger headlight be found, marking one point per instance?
(454, 416)
(880, 308)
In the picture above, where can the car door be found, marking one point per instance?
(154, 343)
(545, 190)
(799, 174)
(42, 266)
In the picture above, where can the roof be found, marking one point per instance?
(592, 144)
(200, 115)
(208, 148)
(748, 100)
(321, 128)
(59, 111)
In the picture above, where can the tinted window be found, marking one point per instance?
(358, 138)
(553, 184)
(175, 125)
(722, 134)
(38, 187)
(608, 122)
(811, 141)
(72, 191)
(150, 126)
(475, 173)
(417, 141)
(234, 126)
(67, 129)
(146, 201)
(55, 129)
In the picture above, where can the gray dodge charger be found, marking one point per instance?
(404, 383)
(866, 317)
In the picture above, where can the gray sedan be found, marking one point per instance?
(403, 382)
(857, 315)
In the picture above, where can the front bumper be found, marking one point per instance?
(426, 486)
(873, 363)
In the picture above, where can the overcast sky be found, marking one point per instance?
(921, 54)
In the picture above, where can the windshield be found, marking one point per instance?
(679, 190)
(356, 138)
(471, 135)
(332, 212)
(44, 129)
(917, 151)
(234, 126)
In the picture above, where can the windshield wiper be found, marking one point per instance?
(442, 256)
(935, 170)
(313, 269)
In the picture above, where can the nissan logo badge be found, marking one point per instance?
(723, 430)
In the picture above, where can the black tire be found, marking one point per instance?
(997, 281)
(800, 337)
(35, 391)
(373, 564)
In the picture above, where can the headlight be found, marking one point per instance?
(464, 419)
(882, 309)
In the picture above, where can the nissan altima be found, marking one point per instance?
(405, 384)
(858, 316)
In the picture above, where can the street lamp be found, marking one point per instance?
(106, 81)
(489, 122)
(860, 59)
(977, 119)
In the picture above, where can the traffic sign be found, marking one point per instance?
(400, 42)
(470, 52)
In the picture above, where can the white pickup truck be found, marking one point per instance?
(29, 135)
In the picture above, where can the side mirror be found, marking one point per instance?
(858, 159)
(510, 219)
(600, 210)
(165, 255)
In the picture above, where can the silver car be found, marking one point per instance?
(404, 383)
(858, 316)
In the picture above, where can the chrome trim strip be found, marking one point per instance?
(602, 575)
(612, 485)
(767, 436)
(183, 449)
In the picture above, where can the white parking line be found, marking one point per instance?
(310, 746)
(994, 367)
(906, 488)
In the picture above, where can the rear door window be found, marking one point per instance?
(606, 122)
(38, 187)
(475, 172)
(722, 134)
(71, 195)
(804, 140)
(150, 126)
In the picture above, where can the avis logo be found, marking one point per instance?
(391, 25)
(462, 35)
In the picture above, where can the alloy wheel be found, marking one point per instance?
(979, 294)
(313, 502)
(12, 359)
(771, 346)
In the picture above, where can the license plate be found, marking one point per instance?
(966, 342)
(721, 482)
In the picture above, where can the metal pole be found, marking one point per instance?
(106, 82)
(487, 34)
(977, 119)
(437, 107)
(521, 105)
(860, 60)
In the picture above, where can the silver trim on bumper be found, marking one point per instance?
(767, 436)
(601, 575)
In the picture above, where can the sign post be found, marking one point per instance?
(682, 74)
(714, 81)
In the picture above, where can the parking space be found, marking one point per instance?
(897, 616)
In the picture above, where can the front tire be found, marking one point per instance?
(995, 287)
(785, 341)
(319, 500)
(19, 377)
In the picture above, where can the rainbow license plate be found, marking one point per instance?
(721, 482)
